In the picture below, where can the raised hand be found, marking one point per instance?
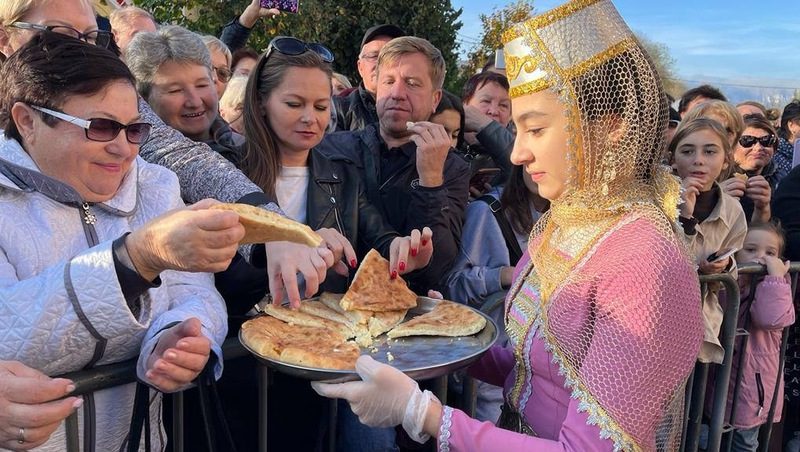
(410, 253)
(691, 188)
(433, 144)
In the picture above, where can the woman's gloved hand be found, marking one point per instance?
(384, 398)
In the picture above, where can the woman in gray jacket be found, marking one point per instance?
(96, 250)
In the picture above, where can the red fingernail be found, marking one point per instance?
(424, 242)
(413, 251)
(402, 266)
(394, 274)
(353, 263)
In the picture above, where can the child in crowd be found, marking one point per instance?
(765, 311)
(712, 220)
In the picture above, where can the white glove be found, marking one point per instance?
(384, 398)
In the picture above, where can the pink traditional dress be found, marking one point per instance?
(604, 318)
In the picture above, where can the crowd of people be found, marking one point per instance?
(565, 183)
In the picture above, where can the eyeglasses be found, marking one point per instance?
(294, 46)
(103, 129)
(100, 38)
(747, 141)
(223, 74)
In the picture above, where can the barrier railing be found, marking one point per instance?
(719, 429)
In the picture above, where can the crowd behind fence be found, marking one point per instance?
(695, 414)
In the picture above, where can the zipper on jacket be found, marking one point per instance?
(760, 387)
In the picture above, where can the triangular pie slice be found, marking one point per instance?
(262, 226)
(319, 309)
(300, 345)
(356, 316)
(373, 290)
(382, 322)
(305, 319)
(445, 319)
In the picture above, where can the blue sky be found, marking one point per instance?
(730, 43)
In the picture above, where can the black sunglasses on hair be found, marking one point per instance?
(103, 129)
(100, 38)
(293, 46)
(747, 141)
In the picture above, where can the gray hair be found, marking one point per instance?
(213, 43)
(148, 51)
(122, 19)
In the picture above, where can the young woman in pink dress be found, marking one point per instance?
(604, 316)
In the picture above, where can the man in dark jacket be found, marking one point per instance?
(357, 110)
(410, 173)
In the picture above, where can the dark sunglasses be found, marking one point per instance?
(100, 38)
(223, 74)
(294, 46)
(747, 141)
(103, 129)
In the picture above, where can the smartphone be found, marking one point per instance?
(289, 6)
(482, 177)
(721, 255)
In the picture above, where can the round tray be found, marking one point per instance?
(419, 357)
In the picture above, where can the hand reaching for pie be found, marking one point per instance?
(410, 253)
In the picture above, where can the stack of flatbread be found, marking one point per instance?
(317, 334)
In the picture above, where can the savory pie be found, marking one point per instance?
(373, 290)
(298, 317)
(262, 226)
(301, 345)
(445, 319)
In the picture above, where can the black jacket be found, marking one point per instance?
(356, 110)
(336, 199)
(404, 203)
(785, 206)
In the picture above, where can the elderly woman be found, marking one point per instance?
(175, 75)
(231, 104)
(220, 62)
(96, 250)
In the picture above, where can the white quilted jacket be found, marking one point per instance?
(59, 296)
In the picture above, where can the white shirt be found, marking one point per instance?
(291, 189)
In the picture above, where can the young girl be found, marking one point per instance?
(712, 220)
(603, 318)
(765, 311)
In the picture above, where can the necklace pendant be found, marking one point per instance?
(88, 216)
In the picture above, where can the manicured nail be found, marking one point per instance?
(414, 251)
(353, 263)
(424, 242)
(77, 404)
(394, 274)
(402, 266)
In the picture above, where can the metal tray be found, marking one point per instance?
(419, 357)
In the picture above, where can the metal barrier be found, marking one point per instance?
(103, 377)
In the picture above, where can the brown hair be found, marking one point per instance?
(261, 163)
(51, 68)
(516, 200)
(405, 45)
(773, 226)
(689, 127)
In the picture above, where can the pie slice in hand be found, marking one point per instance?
(373, 290)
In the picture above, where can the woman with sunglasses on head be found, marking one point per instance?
(753, 153)
(175, 75)
(96, 251)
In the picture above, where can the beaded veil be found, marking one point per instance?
(646, 324)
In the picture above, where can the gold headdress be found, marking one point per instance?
(617, 113)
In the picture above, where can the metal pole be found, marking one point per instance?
(263, 381)
(71, 429)
(696, 409)
(177, 422)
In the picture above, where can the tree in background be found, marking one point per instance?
(494, 24)
(665, 65)
(339, 25)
